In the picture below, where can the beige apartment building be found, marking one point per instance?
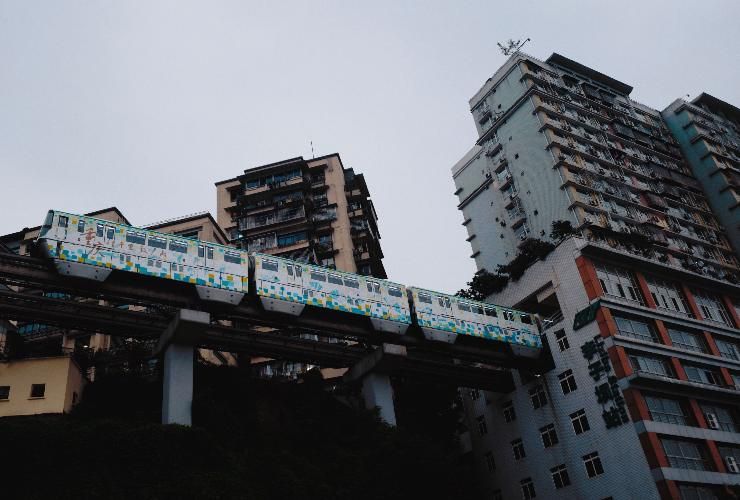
(313, 210)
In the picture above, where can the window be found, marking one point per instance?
(285, 240)
(562, 340)
(270, 265)
(178, 246)
(352, 283)
(567, 381)
(490, 463)
(425, 297)
(99, 230)
(509, 412)
(668, 295)
(373, 287)
(696, 492)
(538, 397)
(395, 291)
(579, 421)
(731, 457)
(490, 311)
(636, 329)
(159, 242)
(517, 446)
(549, 436)
(317, 276)
(110, 232)
(656, 366)
(463, 307)
(727, 349)
(527, 488)
(63, 221)
(482, 427)
(560, 476)
(336, 280)
(81, 226)
(618, 282)
(134, 237)
(38, 390)
(687, 340)
(474, 394)
(703, 375)
(233, 257)
(711, 307)
(592, 462)
(666, 410)
(209, 253)
(201, 249)
(719, 417)
(685, 454)
(4, 392)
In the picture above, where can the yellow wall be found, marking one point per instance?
(60, 374)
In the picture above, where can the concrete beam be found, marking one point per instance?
(378, 393)
(186, 328)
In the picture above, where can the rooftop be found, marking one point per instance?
(564, 62)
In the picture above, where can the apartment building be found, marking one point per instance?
(643, 398)
(561, 141)
(708, 131)
(314, 210)
(639, 305)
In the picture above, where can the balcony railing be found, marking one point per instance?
(282, 215)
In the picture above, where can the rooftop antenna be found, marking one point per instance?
(312, 153)
(511, 46)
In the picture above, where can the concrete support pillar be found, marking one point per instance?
(378, 393)
(177, 343)
(177, 394)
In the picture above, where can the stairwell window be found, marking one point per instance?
(538, 397)
(567, 381)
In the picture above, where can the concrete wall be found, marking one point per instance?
(223, 201)
(60, 374)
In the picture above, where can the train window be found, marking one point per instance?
(526, 319)
(290, 269)
(463, 307)
(159, 263)
(209, 253)
(109, 232)
(376, 287)
(81, 226)
(448, 303)
(201, 251)
(133, 237)
(395, 291)
(178, 246)
(100, 230)
(425, 297)
(318, 276)
(476, 309)
(351, 282)
(337, 280)
(269, 265)
(491, 312)
(150, 262)
(370, 286)
(298, 271)
(63, 221)
(233, 257)
(157, 242)
(508, 315)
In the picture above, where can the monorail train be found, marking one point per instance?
(92, 248)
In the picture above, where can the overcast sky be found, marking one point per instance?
(145, 104)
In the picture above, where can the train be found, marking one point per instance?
(92, 248)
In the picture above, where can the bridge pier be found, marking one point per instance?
(178, 342)
(372, 371)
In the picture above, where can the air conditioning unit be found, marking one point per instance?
(732, 465)
(712, 421)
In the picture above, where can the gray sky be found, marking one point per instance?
(145, 104)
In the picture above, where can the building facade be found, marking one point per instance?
(708, 131)
(643, 398)
(639, 304)
(314, 210)
(561, 141)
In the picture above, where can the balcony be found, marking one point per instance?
(648, 380)
(270, 218)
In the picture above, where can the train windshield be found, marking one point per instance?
(47, 223)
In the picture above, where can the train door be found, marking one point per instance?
(294, 279)
(107, 253)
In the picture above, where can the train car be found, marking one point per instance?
(92, 248)
(445, 317)
(288, 286)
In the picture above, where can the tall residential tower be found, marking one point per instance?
(641, 304)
